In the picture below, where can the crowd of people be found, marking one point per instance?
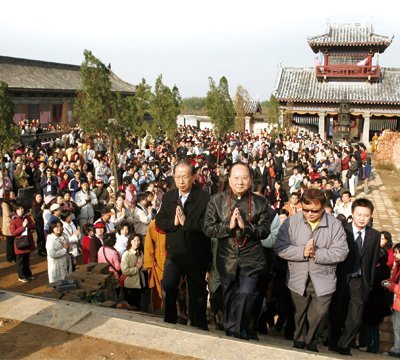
(271, 221)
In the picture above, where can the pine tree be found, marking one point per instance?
(241, 98)
(220, 107)
(165, 107)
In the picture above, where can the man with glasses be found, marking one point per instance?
(313, 243)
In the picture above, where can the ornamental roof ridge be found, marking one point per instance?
(350, 34)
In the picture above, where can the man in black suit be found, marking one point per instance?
(261, 175)
(355, 277)
(181, 217)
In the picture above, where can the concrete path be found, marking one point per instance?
(149, 331)
(385, 215)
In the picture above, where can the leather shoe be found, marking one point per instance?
(312, 347)
(231, 333)
(253, 336)
(344, 351)
(299, 344)
(243, 335)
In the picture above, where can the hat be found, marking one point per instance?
(99, 225)
(106, 211)
(111, 178)
(54, 207)
(48, 198)
(99, 181)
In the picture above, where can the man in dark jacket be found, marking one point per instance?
(239, 220)
(181, 217)
(355, 277)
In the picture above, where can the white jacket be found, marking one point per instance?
(58, 259)
(86, 208)
(141, 220)
(74, 240)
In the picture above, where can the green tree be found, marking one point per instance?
(8, 130)
(165, 107)
(273, 110)
(194, 106)
(220, 106)
(241, 98)
(98, 108)
(139, 109)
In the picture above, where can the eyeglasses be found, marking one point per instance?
(312, 211)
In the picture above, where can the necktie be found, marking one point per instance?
(357, 261)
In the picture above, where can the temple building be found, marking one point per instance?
(46, 90)
(346, 93)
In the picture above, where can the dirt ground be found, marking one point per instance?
(27, 341)
(392, 187)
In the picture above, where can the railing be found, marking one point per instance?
(348, 71)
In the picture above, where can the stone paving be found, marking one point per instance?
(386, 217)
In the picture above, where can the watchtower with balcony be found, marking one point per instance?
(348, 52)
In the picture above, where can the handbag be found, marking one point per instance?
(122, 280)
(22, 243)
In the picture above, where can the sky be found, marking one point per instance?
(188, 41)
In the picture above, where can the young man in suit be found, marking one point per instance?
(355, 277)
(181, 217)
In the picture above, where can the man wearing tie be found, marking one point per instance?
(355, 277)
(181, 217)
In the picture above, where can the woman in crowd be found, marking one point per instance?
(278, 196)
(132, 263)
(37, 214)
(21, 226)
(96, 242)
(108, 254)
(121, 214)
(123, 231)
(72, 234)
(7, 210)
(88, 233)
(58, 259)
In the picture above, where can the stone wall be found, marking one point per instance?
(389, 148)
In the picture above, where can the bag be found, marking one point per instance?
(122, 280)
(349, 174)
(22, 243)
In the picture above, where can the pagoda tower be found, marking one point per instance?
(347, 93)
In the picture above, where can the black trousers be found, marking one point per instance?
(10, 248)
(23, 268)
(197, 289)
(240, 297)
(310, 313)
(346, 313)
(41, 240)
(133, 297)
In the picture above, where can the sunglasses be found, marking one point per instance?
(311, 211)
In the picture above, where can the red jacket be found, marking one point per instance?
(395, 287)
(345, 163)
(16, 229)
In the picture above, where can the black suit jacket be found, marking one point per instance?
(261, 177)
(187, 245)
(369, 259)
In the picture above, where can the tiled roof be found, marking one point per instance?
(42, 75)
(349, 35)
(252, 107)
(301, 85)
